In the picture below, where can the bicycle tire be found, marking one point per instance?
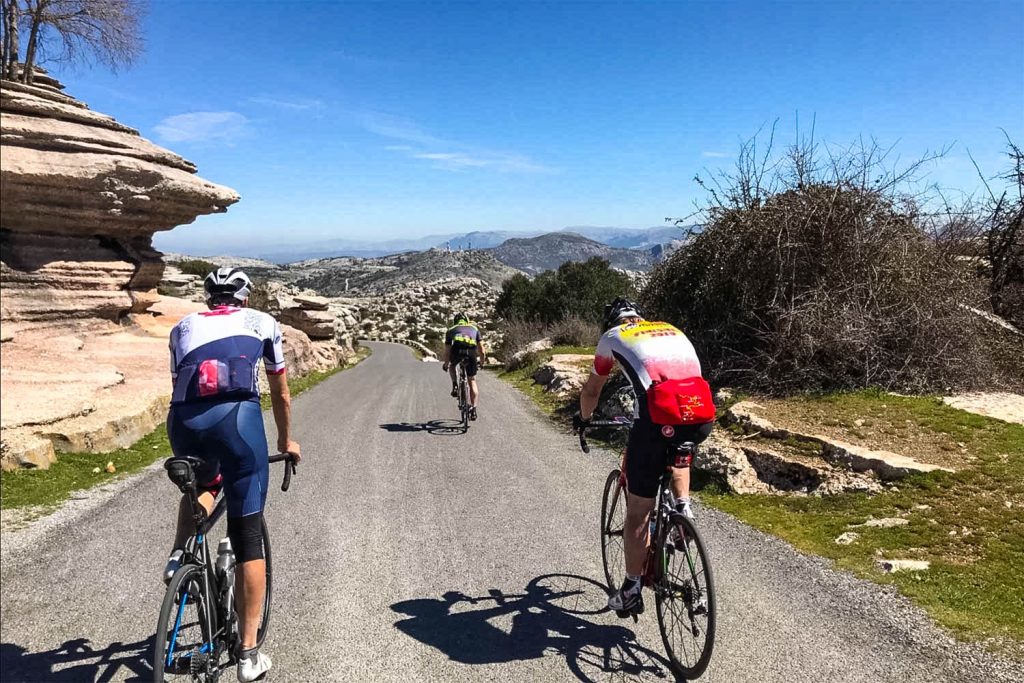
(614, 568)
(661, 598)
(264, 628)
(170, 609)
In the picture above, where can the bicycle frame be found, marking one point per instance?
(216, 615)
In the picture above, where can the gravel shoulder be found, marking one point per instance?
(406, 552)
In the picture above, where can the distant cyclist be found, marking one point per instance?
(215, 416)
(463, 342)
(673, 404)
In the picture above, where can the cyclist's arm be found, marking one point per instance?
(481, 352)
(590, 395)
(604, 361)
(280, 395)
(281, 404)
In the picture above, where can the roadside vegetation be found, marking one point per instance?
(44, 489)
(968, 524)
(821, 281)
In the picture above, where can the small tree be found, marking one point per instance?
(81, 30)
(9, 24)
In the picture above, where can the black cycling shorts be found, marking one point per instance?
(646, 452)
(469, 354)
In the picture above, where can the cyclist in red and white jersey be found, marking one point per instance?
(215, 416)
(673, 404)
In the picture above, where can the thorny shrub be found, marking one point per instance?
(818, 272)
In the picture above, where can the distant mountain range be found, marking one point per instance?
(534, 255)
(625, 238)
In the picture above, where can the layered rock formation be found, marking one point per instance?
(81, 198)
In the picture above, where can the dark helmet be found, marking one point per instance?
(619, 309)
(460, 318)
(227, 281)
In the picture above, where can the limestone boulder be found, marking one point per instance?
(80, 198)
(316, 324)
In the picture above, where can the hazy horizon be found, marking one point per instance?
(398, 120)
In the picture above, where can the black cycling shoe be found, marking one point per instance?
(472, 413)
(455, 391)
(626, 604)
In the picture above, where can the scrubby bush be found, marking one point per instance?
(576, 289)
(516, 335)
(197, 267)
(574, 331)
(818, 276)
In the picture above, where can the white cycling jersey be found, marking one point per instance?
(214, 354)
(648, 352)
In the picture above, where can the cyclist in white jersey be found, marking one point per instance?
(673, 404)
(215, 416)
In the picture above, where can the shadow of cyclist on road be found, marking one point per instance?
(78, 660)
(436, 427)
(550, 618)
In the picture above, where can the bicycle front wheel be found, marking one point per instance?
(613, 524)
(184, 645)
(261, 634)
(685, 599)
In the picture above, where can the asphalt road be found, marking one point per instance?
(407, 552)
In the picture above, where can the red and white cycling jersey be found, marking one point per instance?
(214, 354)
(648, 352)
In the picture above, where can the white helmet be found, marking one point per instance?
(227, 280)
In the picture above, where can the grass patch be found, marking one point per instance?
(522, 379)
(968, 524)
(76, 471)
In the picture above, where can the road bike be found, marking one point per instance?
(677, 567)
(462, 382)
(198, 626)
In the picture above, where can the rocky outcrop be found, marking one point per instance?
(80, 199)
(564, 374)
(84, 366)
(767, 458)
(101, 386)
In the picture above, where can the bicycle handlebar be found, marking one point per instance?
(621, 423)
(289, 467)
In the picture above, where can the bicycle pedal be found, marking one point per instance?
(622, 614)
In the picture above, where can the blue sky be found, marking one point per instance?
(380, 120)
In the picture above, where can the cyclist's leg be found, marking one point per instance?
(184, 429)
(643, 464)
(681, 475)
(241, 442)
(472, 368)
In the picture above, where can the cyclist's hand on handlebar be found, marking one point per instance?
(578, 423)
(292, 447)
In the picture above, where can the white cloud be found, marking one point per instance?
(447, 155)
(717, 155)
(203, 126)
(297, 105)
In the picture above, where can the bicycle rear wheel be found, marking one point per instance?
(685, 599)
(613, 523)
(464, 398)
(265, 619)
(184, 645)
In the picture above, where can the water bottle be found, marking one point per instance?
(225, 568)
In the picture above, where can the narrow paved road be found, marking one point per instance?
(405, 552)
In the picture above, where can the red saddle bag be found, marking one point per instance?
(680, 402)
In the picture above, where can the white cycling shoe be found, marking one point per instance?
(253, 665)
(173, 564)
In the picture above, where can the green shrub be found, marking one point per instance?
(578, 290)
(197, 267)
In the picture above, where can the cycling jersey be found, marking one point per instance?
(214, 354)
(215, 412)
(648, 352)
(463, 335)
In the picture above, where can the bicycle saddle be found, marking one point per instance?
(181, 471)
